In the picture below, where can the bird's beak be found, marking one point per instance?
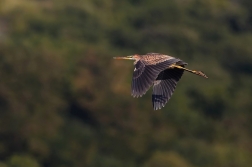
(126, 58)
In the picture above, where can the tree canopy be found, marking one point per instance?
(65, 102)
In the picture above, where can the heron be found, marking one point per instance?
(160, 71)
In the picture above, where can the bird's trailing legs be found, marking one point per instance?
(200, 73)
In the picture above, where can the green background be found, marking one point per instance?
(64, 102)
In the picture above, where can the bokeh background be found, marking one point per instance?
(64, 102)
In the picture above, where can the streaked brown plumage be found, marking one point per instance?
(160, 71)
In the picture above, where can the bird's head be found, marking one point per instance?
(131, 57)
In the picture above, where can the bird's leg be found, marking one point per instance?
(200, 73)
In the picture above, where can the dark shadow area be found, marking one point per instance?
(213, 108)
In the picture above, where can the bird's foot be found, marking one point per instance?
(175, 66)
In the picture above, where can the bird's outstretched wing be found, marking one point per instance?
(164, 86)
(144, 75)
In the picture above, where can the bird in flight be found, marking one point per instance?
(160, 71)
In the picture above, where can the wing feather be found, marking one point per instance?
(144, 75)
(164, 87)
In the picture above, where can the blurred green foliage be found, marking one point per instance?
(65, 102)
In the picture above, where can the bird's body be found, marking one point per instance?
(157, 70)
(153, 58)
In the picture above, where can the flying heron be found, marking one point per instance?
(161, 71)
